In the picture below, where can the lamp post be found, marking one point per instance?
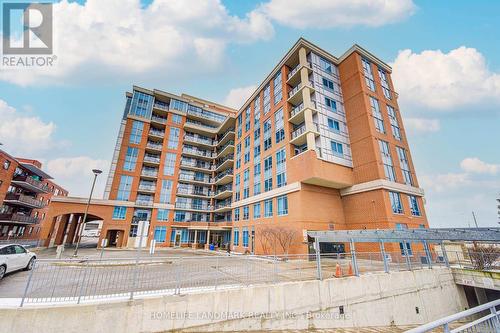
(96, 172)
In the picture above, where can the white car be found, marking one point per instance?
(14, 257)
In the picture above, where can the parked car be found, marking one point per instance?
(14, 257)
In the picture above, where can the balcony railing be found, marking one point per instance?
(195, 164)
(24, 200)
(161, 106)
(147, 187)
(187, 177)
(199, 123)
(150, 158)
(157, 133)
(207, 115)
(301, 130)
(223, 174)
(19, 218)
(223, 205)
(297, 109)
(33, 183)
(193, 138)
(160, 120)
(185, 205)
(144, 202)
(229, 143)
(224, 188)
(203, 153)
(192, 191)
(295, 70)
(154, 146)
(150, 173)
(224, 159)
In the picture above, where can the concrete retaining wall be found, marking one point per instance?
(370, 300)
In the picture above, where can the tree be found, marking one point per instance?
(273, 237)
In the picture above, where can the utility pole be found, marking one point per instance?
(475, 221)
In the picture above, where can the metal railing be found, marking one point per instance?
(157, 133)
(487, 323)
(17, 217)
(154, 146)
(161, 106)
(24, 199)
(160, 120)
(33, 182)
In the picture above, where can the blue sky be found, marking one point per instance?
(448, 79)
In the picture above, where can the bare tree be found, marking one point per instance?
(273, 237)
(484, 257)
(285, 237)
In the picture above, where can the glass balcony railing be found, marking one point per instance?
(198, 152)
(150, 173)
(153, 145)
(147, 187)
(151, 158)
(161, 105)
(186, 205)
(160, 120)
(157, 133)
(194, 138)
(224, 188)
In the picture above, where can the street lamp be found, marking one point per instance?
(96, 172)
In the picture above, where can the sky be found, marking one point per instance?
(444, 56)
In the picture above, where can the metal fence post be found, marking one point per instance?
(353, 258)
(318, 259)
(407, 257)
(83, 282)
(384, 256)
(427, 254)
(445, 255)
(28, 283)
(495, 321)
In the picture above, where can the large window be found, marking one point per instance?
(246, 183)
(387, 160)
(237, 182)
(130, 159)
(119, 213)
(136, 132)
(247, 119)
(256, 178)
(236, 237)
(237, 214)
(377, 115)
(246, 212)
(142, 105)
(176, 119)
(404, 247)
(384, 82)
(162, 215)
(396, 132)
(246, 157)
(367, 70)
(331, 105)
(169, 167)
(267, 134)
(256, 210)
(279, 125)
(124, 188)
(282, 205)
(256, 114)
(239, 125)
(173, 139)
(245, 237)
(415, 210)
(405, 167)
(267, 99)
(328, 84)
(166, 191)
(397, 207)
(281, 168)
(160, 234)
(337, 148)
(268, 173)
(268, 208)
(325, 65)
(333, 125)
(278, 89)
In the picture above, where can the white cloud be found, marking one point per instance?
(444, 81)
(113, 39)
(337, 13)
(23, 134)
(237, 96)
(475, 165)
(75, 174)
(422, 125)
(444, 182)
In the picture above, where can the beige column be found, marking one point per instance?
(207, 243)
(195, 239)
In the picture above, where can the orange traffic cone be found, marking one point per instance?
(338, 271)
(349, 271)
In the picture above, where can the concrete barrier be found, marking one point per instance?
(376, 300)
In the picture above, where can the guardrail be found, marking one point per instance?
(487, 323)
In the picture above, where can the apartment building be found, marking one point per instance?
(25, 193)
(320, 145)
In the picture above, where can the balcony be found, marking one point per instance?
(157, 147)
(297, 115)
(293, 77)
(198, 153)
(200, 141)
(192, 206)
(23, 200)
(149, 173)
(30, 184)
(224, 177)
(226, 149)
(299, 136)
(224, 163)
(160, 106)
(186, 191)
(224, 192)
(144, 202)
(295, 95)
(156, 133)
(151, 159)
(195, 165)
(223, 207)
(148, 188)
(16, 218)
(199, 127)
(158, 120)
(199, 113)
(192, 179)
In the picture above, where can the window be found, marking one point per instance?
(130, 159)
(396, 132)
(176, 119)
(337, 148)
(160, 234)
(6, 164)
(404, 247)
(237, 214)
(173, 139)
(166, 191)
(278, 89)
(377, 115)
(256, 151)
(246, 212)
(267, 134)
(136, 132)
(239, 125)
(268, 173)
(387, 160)
(325, 65)
(256, 104)
(247, 119)
(405, 167)
(268, 208)
(282, 205)
(281, 168)
(246, 183)
(331, 105)
(246, 157)
(178, 105)
(245, 237)
(384, 82)
(236, 237)
(119, 213)
(328, 84)
(397, 207)
(237, 183)
(124, 188)
(256, 178)
(169, 167)
(162, 215)
(279, 125)
(179, 216)
(267, 99)
(415, 210)
(256, 210)
(142, 105)
(333, 125)
(367, 70)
